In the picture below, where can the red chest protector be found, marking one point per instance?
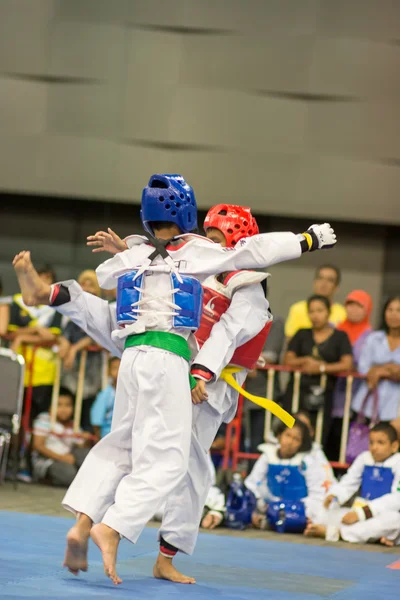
(216, 300)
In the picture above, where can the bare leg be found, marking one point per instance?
(34, 290)
(313, 530)
(164, 569)
(107, 540)
(77, 545)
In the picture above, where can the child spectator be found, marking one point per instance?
(316, 448)
(102, 410)
(376, 514)
(57, 453)
(288, 472)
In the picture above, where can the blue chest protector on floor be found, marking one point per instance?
(188, 297)
(287, 483)
(376, 482)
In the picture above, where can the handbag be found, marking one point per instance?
(358, 440)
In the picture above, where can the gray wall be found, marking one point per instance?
(291, 106)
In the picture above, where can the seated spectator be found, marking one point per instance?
(256, 383)
(316, 449)
(380, 362)
(57, 453)
(357, 325)
(320, 350)
(326, 283)
(103, 407)
(375, 515)
(36, 325)
(72, 342)
(288, 472)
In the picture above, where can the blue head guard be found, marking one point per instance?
(169, 198)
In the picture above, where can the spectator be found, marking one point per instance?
(380, 362)
(58, 453)
(376, 514)
(256, 384)
(72, 342)
(357, 325)
(103, 407)
(318, 350)
(36, 325)
(326, 283)
(316, 448)
(288, 472)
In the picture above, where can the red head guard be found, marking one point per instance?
(235, 222)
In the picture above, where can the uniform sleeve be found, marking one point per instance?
(99, 408)
(246, 316)
(256, 481)
(95, 316)
(215, 500)
(350, 483)
(315, 476)
(259, 251)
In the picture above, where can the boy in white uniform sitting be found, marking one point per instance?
(374, 475)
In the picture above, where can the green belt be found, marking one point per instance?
(165, 341)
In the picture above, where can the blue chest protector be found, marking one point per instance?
(188, 296)
(287, 482)
(376, 482)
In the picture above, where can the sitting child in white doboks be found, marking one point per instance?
(375, 514)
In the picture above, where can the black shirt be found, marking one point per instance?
(330, 351)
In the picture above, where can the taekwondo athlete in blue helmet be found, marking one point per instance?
(158, 308)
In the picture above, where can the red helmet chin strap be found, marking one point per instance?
(235, 222)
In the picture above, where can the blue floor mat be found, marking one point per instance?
(226, 568)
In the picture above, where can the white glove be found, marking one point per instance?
(322, 236)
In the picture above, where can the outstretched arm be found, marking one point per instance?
(259, 251)
(95, 316)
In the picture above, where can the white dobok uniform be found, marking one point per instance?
(385, 508)
(129, 473)
(309, 465)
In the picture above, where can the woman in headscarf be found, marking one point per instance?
(357, 325)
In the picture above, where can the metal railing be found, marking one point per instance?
(232, 452)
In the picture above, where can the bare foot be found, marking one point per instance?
(386, 542)
(313, 530)
(77, 547)
(107, 540)
(34, 290)
(164, 569)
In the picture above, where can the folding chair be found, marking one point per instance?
(12, 370)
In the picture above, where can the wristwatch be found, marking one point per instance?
(322, 368)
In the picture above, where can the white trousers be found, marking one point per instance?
(184, 507)
(387, 524)
(127, 475)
